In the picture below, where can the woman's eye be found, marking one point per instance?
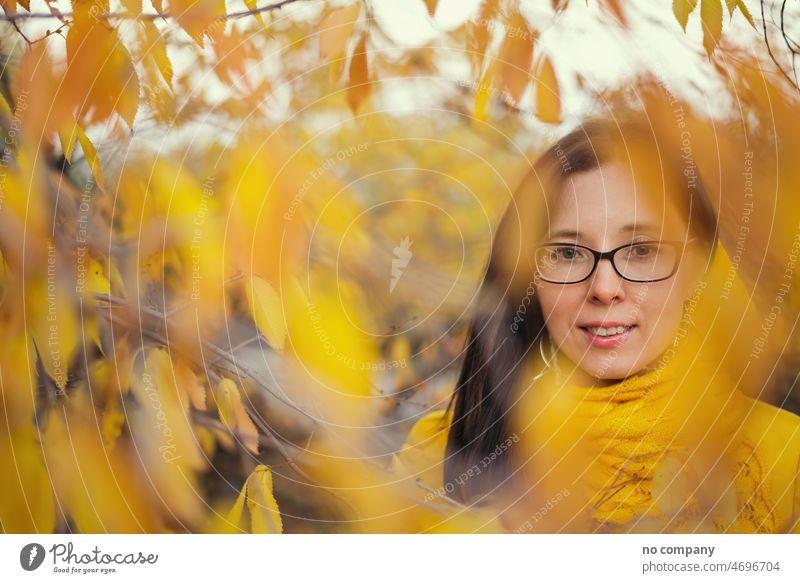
(641, 250)
(568, 253)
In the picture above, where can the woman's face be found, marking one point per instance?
(603, 209)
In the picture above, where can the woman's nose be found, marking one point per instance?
(605, 285)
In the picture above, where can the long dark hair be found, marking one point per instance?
(507, 324)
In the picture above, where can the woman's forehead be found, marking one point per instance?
(611, 199)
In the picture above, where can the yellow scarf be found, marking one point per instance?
(655, 452)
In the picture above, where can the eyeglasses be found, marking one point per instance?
(641, 262)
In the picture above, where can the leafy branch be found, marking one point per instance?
(17, 16)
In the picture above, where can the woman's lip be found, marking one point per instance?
(611, 341)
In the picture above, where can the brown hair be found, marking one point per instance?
(507, 323)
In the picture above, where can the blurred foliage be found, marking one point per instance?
(207, 214)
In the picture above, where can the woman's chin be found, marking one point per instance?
(602, 371)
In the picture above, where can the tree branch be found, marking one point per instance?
(17, 16)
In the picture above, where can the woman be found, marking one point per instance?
(591, 397)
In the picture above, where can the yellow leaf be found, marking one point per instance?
(251, 5)
(156, 49)
(265, 517)
(97, 488)
(26, 499)
(267, 311)
(515, 58)
(335, 71)
(91, 158)
(233, 415)
(190, 385)
(483, 95)
(99, 63)
(548, 99)
(615, 8)
(682, 9)
(113, 420)
(262, 509)
(480, 34)
(53, 324)
(335, 30)
(68, 135)
(358, 88)
(333, 348)
(5, 107)
(96, 281)
(132, 6)
(199, 19)
(744, 10)
(711, 16)
(235, 514)
(431, 6)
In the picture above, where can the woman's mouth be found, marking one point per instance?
(607, 335)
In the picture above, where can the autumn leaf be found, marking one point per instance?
(92, 158)
(682, 9)
(358, 88)
(107, 496)
(68, 136)
(516, 56)
(262, 509)
(431, 6)
(54, 326)
(265, 518)
(746, 12)
(232, 51)
(191, 385)
(548, 99)
(5, 108)
(479, 31)
(267, 311)
(199, 19)
(233, 415)
(156, 51)
(336, 29)
(251, 5)
(98, 61)
(615, 8)
(134, 7)
(483, 95)
(711, 16)
(96, 282)
(26, 498)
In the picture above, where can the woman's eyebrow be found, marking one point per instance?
(642, 227)
(632, 227)
(570, 233)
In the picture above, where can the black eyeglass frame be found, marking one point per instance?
(600, 255)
